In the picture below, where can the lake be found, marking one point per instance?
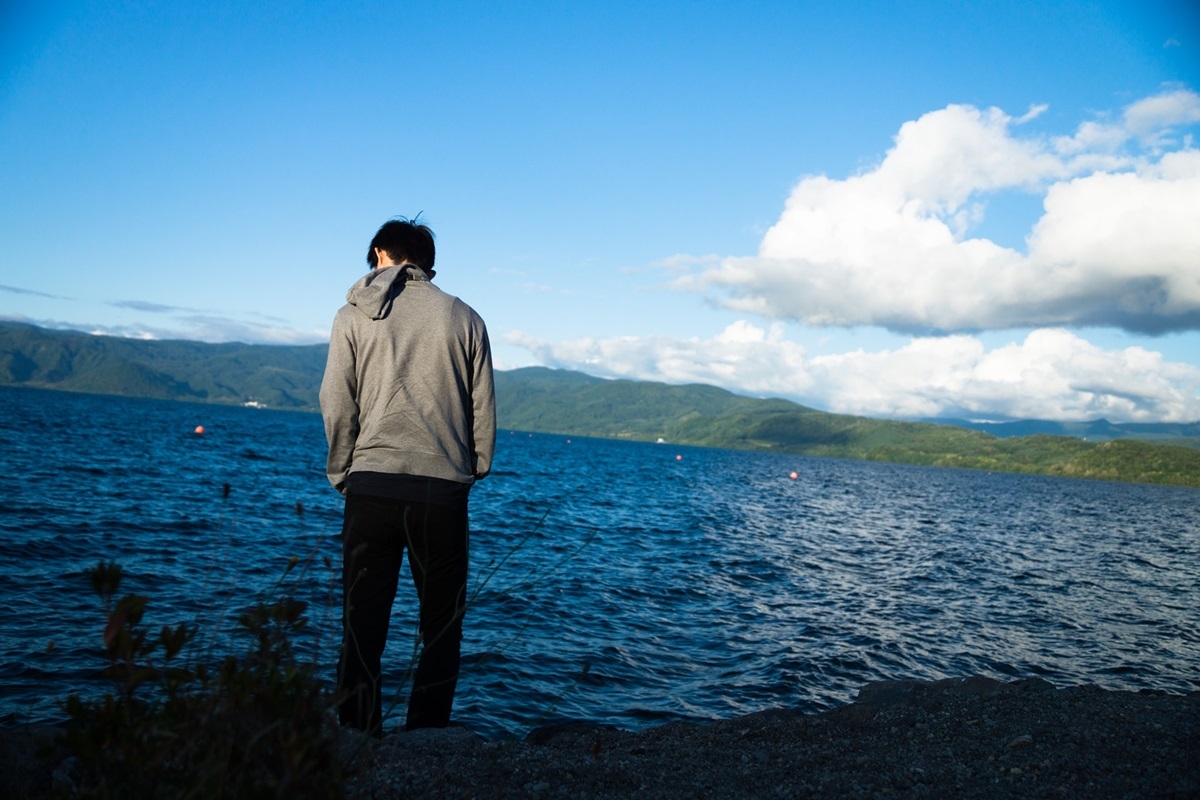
(621, 583)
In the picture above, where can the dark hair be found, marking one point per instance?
(404, 240)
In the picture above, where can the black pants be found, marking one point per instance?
(375, 534)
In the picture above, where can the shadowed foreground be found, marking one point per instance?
(961, 738)
(951, 739)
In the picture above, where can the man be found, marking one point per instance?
(410, 419)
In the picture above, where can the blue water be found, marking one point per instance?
(622, 583)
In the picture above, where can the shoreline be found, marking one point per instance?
(953, 738)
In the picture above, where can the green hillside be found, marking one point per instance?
(558, 401)
(233, 373)
(550, 401)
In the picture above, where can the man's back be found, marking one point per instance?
(415, 363)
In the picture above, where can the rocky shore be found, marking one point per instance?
(960, 738)
(971, 738)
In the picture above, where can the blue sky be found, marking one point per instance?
(910, 209)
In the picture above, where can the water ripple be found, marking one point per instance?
(611, 581)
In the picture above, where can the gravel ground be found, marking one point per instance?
(960, 738)
(970, 738)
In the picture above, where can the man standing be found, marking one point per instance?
(410, 418)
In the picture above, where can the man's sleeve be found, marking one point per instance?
(339, 404)
(483, 398)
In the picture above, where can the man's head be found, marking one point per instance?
(403, 240)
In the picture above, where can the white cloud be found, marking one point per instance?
(1122, 248)
(1154, 118)
(224, 329)
(1118, 245)
(1051, 374)
(1151, 122)
(197, 328)
(743, 356)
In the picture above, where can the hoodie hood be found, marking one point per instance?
(374, 292)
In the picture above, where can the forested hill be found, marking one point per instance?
(554, 401)
(558, 401)
(277, 376)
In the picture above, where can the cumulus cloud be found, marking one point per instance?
(743, 356)
(1118, 243)
(1050, 374)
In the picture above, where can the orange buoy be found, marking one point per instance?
(794, 475)
(679, 458)
(199, 429)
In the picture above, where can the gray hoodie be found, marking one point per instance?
(408, 384)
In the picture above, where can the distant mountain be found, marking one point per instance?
(233, 373)
(554, 401)
(1099, 430)
(561, 401)
(557, 401)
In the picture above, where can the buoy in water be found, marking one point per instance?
(679, 458)
(199, 429)
(794, 475)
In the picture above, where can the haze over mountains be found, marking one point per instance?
(555, 401)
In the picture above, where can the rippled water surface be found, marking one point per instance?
(622, 583)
